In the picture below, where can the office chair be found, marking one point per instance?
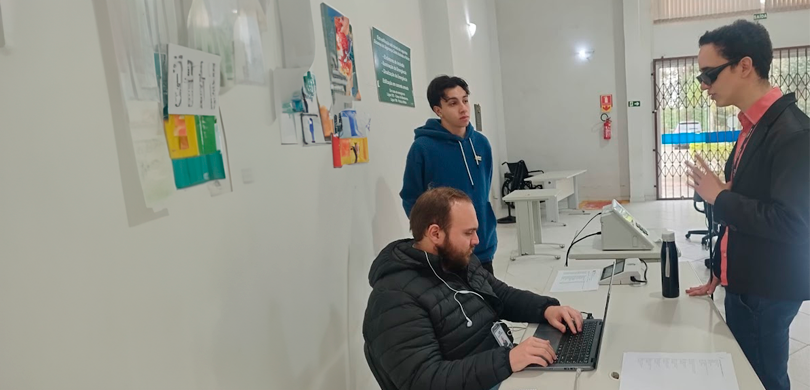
(381, 377)
(710, 233)
(515, 179)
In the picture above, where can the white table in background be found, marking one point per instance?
(565, 182)
(640, 319)
(529, 224)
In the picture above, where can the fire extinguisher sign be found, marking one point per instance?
(606, 103)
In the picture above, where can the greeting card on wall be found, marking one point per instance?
(193, 82)
(339, 40)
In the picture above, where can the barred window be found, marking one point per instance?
(689, 122)
(672, 10)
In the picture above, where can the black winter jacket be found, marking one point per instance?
(416, 333)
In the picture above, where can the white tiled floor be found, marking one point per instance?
(678, 216)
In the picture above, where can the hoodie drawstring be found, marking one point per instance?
(464, 157)
(475, 154)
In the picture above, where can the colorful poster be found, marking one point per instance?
(392, 64)
(339, 40)
(181, 134)
(350, 143)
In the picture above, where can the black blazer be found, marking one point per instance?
(766, 214)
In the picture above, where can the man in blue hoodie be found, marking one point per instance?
(448, 152)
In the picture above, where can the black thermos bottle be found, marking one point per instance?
(670, 286)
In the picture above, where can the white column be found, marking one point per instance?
(638, 30)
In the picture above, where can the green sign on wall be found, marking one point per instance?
(392, 63)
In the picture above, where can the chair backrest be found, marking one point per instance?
(696, 200)
(381, 377)
(519, 173)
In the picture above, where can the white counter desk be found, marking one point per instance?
(641, 320)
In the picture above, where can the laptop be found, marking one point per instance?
(576, 351)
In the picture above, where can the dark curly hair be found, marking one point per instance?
(743, 39)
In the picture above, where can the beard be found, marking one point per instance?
(453, 259)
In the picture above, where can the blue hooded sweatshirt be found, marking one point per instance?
(439, 158)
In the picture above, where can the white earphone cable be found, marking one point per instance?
(456, 292)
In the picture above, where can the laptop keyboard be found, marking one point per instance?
(576, 348)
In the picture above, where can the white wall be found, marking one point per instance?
(473, 61)
(551, 99)
(680, 39)
(262, 288)
(638, 27)
(452, 51)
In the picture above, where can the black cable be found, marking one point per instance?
(586, 225)
(633, 278)
(575, 242)
(577, 235)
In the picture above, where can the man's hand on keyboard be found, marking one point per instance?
(560, 316)
(531, 351)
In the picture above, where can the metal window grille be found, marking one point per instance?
(688, 121)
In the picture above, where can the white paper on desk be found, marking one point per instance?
(678, 371)
(576, 280)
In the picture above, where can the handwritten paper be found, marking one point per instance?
(677, 371)
(578, 280)
(151, 153)
(193, 82)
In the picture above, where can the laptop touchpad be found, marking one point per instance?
(546, 332)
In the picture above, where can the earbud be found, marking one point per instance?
(469, 322)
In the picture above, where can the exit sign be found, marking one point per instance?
(634, 103)
(761, 16)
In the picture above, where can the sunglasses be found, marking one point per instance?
(710, 75)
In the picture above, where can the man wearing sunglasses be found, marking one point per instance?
(763, 205)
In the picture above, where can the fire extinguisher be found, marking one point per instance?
(606, 126)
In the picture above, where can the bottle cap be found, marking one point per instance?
(668, 236)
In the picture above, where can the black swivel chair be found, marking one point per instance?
(515, 179)
(381, 377)
(711, 231)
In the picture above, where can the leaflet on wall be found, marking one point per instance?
(296, 94)
(193, 82)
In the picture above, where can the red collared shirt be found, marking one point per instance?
(748, 119)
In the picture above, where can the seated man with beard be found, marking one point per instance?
(434, 312)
